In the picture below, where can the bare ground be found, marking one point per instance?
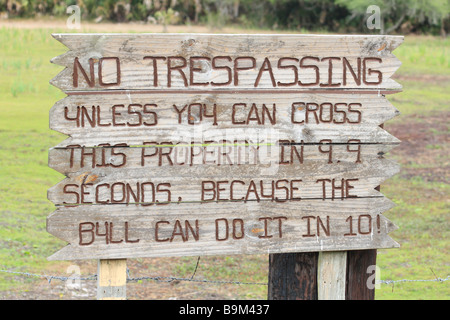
(423, 151)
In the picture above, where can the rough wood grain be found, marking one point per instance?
(223, 184)
(360, 266)
(293, 276)
(309, 134)
(264, 227)
(182, 157)
(136, 71)
(138, 186)
(146, 114)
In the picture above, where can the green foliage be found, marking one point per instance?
(166, 17)
(396, 12)
(322, 15)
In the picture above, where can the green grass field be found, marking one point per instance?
(421, 190)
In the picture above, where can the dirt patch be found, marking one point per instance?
(423, 151)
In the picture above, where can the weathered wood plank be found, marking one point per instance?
(309, 134)
(118, 231)
(223, 62)
(229, 183)
(258, 159)
(145, 114)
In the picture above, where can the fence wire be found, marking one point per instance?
(49, 278)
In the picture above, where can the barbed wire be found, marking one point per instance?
(49, 278)
(413, 280)
(172, 279)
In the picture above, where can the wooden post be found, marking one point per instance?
(112, 279)
(331, 275)
(357, 263)
(321, 276)
(340, 275)
(293, 276)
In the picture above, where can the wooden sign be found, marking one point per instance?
(190, 144)
(193, 228)
(134, 119)
(196, 63)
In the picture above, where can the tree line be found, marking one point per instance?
(391, 16)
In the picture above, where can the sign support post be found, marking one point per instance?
(331, 274)
(112, 279)
(358, 263)
(293, 276)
